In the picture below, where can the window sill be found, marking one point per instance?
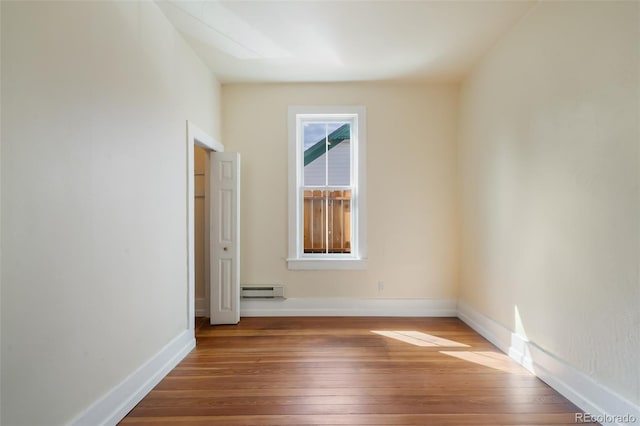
(300, 264)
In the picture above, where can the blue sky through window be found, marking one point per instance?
(314, 132)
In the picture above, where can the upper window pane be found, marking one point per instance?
(339, 156)
(327, 153)
(315, 168)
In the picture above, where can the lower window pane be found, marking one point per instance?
(314, 222)
(327, 221)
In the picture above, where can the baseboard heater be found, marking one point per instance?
(262, 292)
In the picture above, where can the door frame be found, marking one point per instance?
(195, 136)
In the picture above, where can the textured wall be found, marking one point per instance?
(550, 176)
(95, 98)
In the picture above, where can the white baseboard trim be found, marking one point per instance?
(201, 307)
(116, 403)
(348, 307)
(607, 407)
(496, 333)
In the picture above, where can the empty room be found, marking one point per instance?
(319, 212)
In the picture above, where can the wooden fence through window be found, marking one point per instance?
(327, 221)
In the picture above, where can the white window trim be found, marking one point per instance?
(357, 260)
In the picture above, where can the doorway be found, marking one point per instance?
(201, 228)
(195, 138)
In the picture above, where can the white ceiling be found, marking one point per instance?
(320, 41)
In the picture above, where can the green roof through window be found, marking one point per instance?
(342, 133)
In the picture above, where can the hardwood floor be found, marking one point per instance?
(349, 371)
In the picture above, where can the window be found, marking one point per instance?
(327, 191)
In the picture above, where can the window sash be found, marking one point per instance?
(301, 120)
(328, 241)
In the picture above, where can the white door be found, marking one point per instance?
(225, 237)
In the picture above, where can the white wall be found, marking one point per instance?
(412, 223)
(95, 98)
(549, 163)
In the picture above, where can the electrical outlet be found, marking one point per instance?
(380, 286)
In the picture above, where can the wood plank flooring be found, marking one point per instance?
(349, 371)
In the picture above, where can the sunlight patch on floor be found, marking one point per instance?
(494, 360)
(418, 338)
